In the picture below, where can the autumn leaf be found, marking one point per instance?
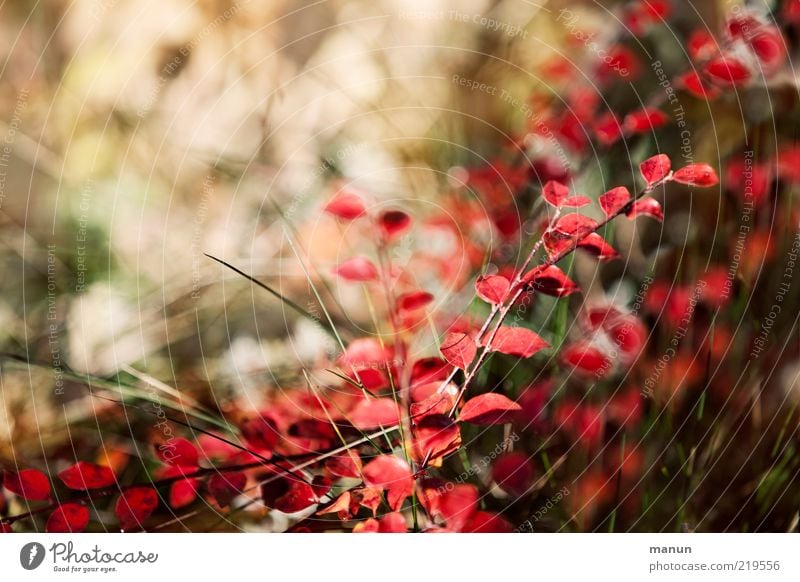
(489, 408)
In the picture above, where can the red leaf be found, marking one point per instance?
(346, 464)
(392, 474)
(31, 484)
(459, 350)
(615, 199)
(260, 432)
(366, 352)
(393, 223)
(701, 45)
(492, 288)
(134, 506)
(346, 206)
(68, 518)
(517, 341)
(457, 505)
(728, 70)
(597, 245)
(374, 413)
(357, 269)
(183, 492)
(341, 506)
(513, 473)
(486, 522)
(608, 129)
(225, 487)
(367, 526)
(178, 452)
(694, 83)
(489, 408)
(83, 475)
(434, 437)
(367, 497)
(645, 120)
(576, 202)
(413, 300)
(700, 175)
(575, 225)
(288, 495)
(393, 523)
(585, 358)
(647, 207)
(555, 193)
(436, 403)
(655, 169)
(550, 280)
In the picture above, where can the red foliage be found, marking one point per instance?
(68, 518)
(489, 408)
(83, 475)
(30, 484)
(459, 350)
(517, 341)
(134, 506)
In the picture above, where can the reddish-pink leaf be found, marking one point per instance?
(183, 492)
(576, 202)
(608, 129)
(414, 300)
(134, 506)
(368, 498)
(459, 349)
(647, 207)
(728, 70)
(555, 193)
(225, 487)
(644, 120)
(6, 528)
(288, 494)
(517, 341)
(178, 452)
(260, 432)
(31, 484)
(655, 169)
(366, 352)
(700, 175)
(492, 288)
(550, 280)
(586, 358)
(435, 436)
(597, 245)
(393, 223)
(374, 413)
(486, 522)
(341, 506)
(346, 464)
(346, 206)
(513, 472)
(694, 83)
(392, 523)
(457, 505)
(392, 474)
(83, 475)
(701, 45)
(358, 269)
(367, 526)
(489, 408)
(68, 518)
(615, 200)
(575, 225)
